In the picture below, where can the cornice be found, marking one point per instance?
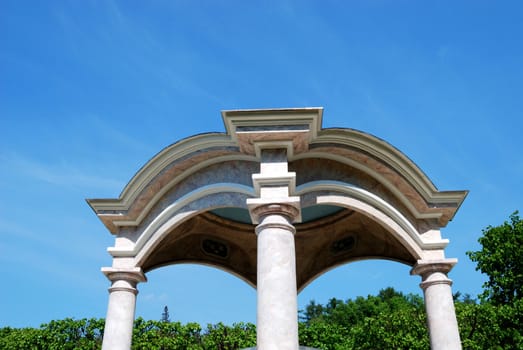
(296, 129)
(394, 159)
(157, 164)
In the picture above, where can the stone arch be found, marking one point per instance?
(324, 196)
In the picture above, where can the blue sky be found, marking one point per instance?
(91, 90)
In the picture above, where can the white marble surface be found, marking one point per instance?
(277, 323)
(120, 316)
(441, 316)
(439, 303)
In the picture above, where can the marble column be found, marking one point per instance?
(274, 211)
(122, 303)
(277, 310)
(439, 303)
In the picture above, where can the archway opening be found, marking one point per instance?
(214, 296)
(344, 281)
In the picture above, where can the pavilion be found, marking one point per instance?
(277, 201)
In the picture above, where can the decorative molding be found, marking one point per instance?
(288, 127)
(158, 163)
(374, 202)
(433, 272)
(391, 156)
(425, 284)
(312, 117)
(132, 275)
(215, 248)
(286, 145)
(425, 268)
(344, 245)
(296, 125)
(169, 212)
(288, 209)
(288, 180)
(376, 175)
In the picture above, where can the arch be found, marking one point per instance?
(345, 264)
(342, 194)
(195, 202)
(212, 266)
(247, 128)
(187, 291)
(374, 207)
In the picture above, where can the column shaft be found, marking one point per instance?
(119, 321)
(441, 315)
(277, 310)
(439, 304)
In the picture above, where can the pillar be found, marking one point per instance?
(277, 309)
(275, 211)
(122, 304)
(439, 303)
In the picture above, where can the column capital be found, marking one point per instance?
(261, 207)
(441, 316)
(132, 275)
(433, 272)
(424, 267)
(122, 304)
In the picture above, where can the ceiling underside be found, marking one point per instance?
(321, 244)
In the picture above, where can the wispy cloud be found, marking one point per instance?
(9, 228)
(105, 129)
(71, 242)
(38, 261)
(154, 297)
(62, 174)
(126, 43)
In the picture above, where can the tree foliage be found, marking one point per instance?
(389, 320)
(222, 337)
(501, 259)
(147, 335)
(165, 315)
(160, 335)
(488, 326)
(399, 322)
(63, 334)
(497, 322)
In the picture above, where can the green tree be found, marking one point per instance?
(160, 335)
(390, 320)
(403, 328)
(497, 322)
(312, 311)
(489, 326)
(501, 259)
(73, 334)
(165, 314)
(84, 334)
(324, 335)
(21, 339)
(222, 337)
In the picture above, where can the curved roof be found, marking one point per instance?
(360, 197)
(246, 129)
